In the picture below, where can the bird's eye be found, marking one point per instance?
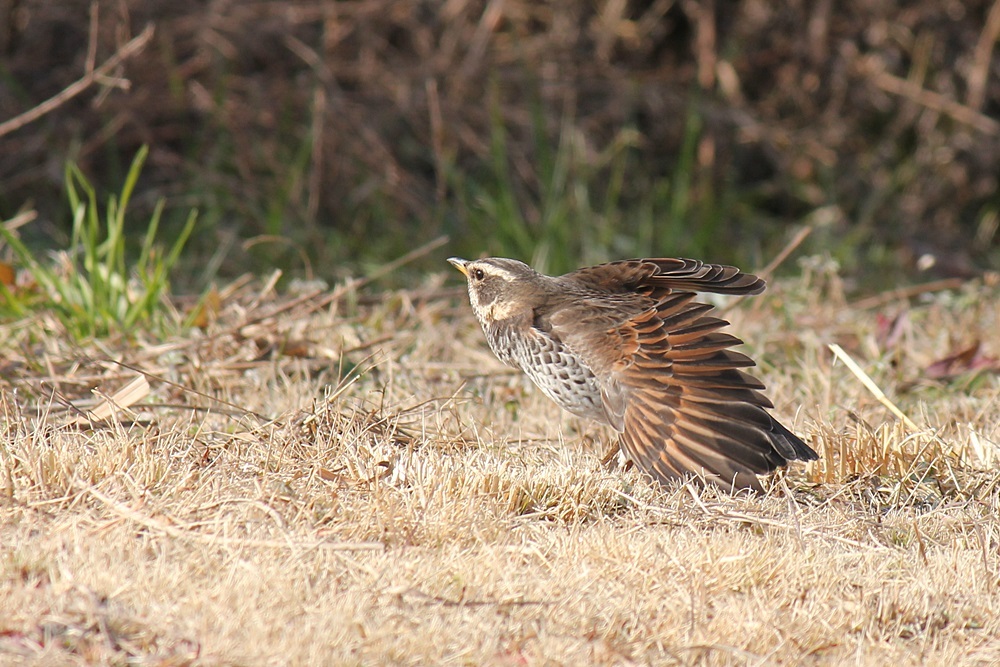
(478, 274)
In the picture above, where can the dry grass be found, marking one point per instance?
(413, 502)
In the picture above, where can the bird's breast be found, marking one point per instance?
(559, 373)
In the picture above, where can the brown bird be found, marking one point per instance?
(625, 343)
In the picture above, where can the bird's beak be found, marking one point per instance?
(459, 264)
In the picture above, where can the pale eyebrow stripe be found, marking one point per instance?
(499, 272)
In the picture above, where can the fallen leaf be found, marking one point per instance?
(889, 330)
(330, 475)
(297, 348)
(8, 276)
(963, 361)
(207, 309)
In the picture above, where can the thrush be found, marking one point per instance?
(627, 344)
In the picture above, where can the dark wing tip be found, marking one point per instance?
(695, 275)
(789, 445)
(668, 273)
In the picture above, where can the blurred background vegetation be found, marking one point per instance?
(326, 138)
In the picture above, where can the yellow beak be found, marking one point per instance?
(459, 264)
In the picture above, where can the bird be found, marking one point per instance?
(627, 344)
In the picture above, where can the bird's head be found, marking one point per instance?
(500, 288)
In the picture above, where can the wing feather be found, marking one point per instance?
(667, 275)
(681, 403)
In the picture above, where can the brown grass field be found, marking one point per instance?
(346, 477)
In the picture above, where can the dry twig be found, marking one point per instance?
(129, 49)
(870, 385)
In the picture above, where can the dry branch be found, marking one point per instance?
(930, 99)
(129, 49)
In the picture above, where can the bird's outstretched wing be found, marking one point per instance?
(659, 276)
(684, 407)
